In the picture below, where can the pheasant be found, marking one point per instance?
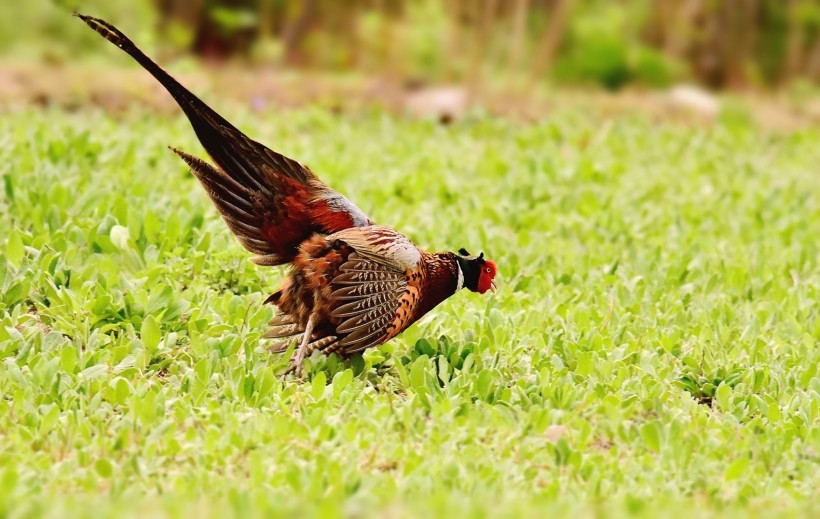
(353, 284)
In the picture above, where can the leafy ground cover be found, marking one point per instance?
(652, 350)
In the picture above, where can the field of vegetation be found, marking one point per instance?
(652, 349)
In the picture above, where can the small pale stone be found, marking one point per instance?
(554, 432)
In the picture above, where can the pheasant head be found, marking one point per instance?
(479, 273)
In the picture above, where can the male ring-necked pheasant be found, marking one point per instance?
(353, 284)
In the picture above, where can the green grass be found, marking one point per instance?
(646, 271)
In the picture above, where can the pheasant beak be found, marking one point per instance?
(492, 286)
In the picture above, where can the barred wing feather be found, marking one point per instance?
(368, 289)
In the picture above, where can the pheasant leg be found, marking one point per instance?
(303, 347)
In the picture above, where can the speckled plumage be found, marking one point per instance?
(352, 284)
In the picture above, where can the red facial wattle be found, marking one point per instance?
(486, 276)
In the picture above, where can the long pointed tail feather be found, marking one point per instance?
(232, 150)
(270, 202)
(194, 107)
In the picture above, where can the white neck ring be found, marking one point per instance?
(460, 282)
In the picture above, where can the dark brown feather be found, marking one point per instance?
(357, 284)
(271, 202)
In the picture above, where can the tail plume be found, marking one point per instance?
(234, 152)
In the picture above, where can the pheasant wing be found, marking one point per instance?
(271, 202)
(372, 287)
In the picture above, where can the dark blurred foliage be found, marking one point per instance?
(611, 43)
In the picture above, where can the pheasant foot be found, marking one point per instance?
(299, 356)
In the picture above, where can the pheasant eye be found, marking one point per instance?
(487, 270)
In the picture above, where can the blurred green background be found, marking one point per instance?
(732, 44)
(652, 350)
